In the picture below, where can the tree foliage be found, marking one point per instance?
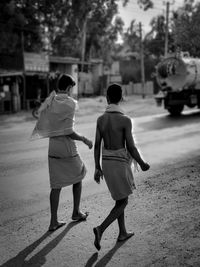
(10, 20)
(155, 39)
(59, 26)
(92, 18)
(183, 31)
(131, 36)
(144, 4)
(185, 28)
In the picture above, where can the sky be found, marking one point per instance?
(133, 12)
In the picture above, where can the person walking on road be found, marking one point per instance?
(56, 122)
(114, 130)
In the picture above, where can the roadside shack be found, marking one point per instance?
(36, 73)
(11, 82)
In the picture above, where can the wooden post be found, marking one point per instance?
(24, 72)
(142, 61)
(83, 43)
(166, 28)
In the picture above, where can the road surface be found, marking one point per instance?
(24, 185)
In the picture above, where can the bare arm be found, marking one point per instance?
(97, 153)
(130, 144)
(97, 148)
(76, 136)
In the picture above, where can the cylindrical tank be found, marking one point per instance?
(178, 73)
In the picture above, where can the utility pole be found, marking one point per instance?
(84, 37)
(166, 28)
(142, 61)
(24, 105)
(83, 43)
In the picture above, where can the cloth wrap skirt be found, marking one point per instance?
(117, 171)
(65, 165)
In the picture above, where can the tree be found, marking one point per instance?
(185, 29)
(155, 39)
(92, 19)
(144, 4)
(19, 19)
(11, 22)
(61, 26)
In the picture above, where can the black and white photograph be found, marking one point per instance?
(100, 133)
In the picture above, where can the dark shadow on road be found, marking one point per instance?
(38, 259)
(106, 258)
(92, 260)
(167, 121)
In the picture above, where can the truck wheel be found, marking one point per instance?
(175, 110)
(35, 113)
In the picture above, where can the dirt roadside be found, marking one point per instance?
(163, 212)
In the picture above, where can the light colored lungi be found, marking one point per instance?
(116, 167)
(65, 165)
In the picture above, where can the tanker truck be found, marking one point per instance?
(178, 77)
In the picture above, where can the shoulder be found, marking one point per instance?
(67, 100)
(72, 101)
(100, 118)
(127, 121)
(125, 118)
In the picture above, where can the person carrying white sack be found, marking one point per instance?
(56, 122)
(115, 145)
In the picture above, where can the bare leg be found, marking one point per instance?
(77, 214)
(114, 214)
(77, 189)
(54, 201)
(123, 234)
(121, 223)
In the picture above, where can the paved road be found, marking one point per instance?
(23, 163)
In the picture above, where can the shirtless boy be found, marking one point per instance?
(114, 129)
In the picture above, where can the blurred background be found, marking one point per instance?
(98, 42)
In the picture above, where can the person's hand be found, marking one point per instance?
(88, 143)
(98, 174)
(145, 166)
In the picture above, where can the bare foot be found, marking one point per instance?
(80, 216)
(123, 237)
(97, 239)
(53, 228)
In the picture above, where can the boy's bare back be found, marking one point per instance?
(114, 127)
